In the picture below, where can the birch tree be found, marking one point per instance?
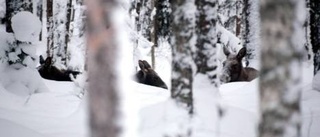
(250, 31)
(49, 27)
(205, 57)
(183, 30)
(103, 95)
(39, 12)
(280, 69)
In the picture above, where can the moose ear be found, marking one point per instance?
(226, 51)
(146, 64)
(242, 53)
(41, 59)
(141, 65)
(48, 61)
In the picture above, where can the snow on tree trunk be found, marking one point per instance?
(60, 31)
(145, 18)
(315, 32)
(280, 84)
(68, 34)
(205, 57)
(76, 39)
(307, 43)
(184, 37)
(146, 22)
(39, 10)
(49, 28)
(81, 19)
(227, 10)
(103, 92)
(251, 30)
(162, 21)
(13, 7)
(2, 11)
(239, 13)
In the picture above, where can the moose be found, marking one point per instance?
(233, 69)
(50, 72)
(148, 76)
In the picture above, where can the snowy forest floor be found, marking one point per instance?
(61, 113)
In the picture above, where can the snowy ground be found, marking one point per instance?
(61, 113)
(58, 113)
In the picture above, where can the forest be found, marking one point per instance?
(159, 68)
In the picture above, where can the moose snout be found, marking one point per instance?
(224, 78)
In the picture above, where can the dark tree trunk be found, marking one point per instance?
(68, 33)
(280, 86)
(39, 11)
(182, 73)
(315, 32)
(13, 7)
(103, 97)
(162, 20)
(239, 9)
(49, 28)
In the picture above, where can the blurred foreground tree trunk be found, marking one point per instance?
(103, 104)
(315, 32)
(13, 7)
(280, 88)
(205, 57)
(183, 29)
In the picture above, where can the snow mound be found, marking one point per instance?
(10, 129)
(26, 26)
(22, 82)
(316, 82)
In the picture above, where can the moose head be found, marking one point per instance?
(233, 69)
(48, 71)
(148, 76)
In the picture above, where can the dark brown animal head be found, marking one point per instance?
(233, 69)
(148, 76)
(48, 71)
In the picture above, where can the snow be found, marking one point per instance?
(26, 26)
(129, 106)
(2, 8)
(19, 82)
(239, 102)
(316, 82)
(33, 107)
(58, 113)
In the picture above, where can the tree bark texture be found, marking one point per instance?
(183, 29)
(280, 70)
(205, 57)
(315, 32)
(49, 28)
(103, 97)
